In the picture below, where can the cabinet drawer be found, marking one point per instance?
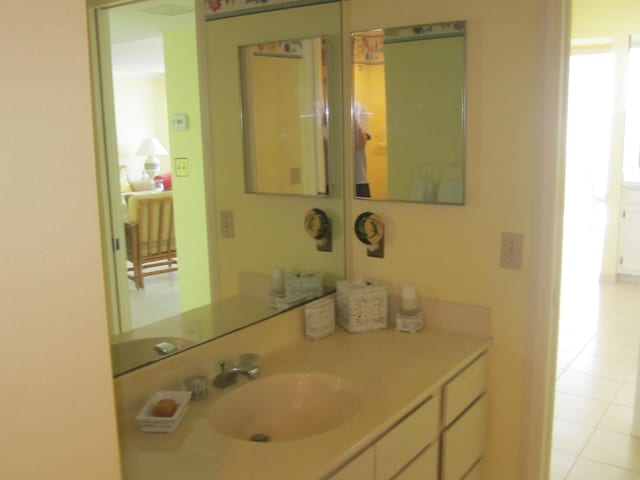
(423, 467)
(464, 389)
(407, 439)
(463, 442)
(359, 469)
(475, 473)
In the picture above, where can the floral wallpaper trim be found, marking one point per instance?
(284, 49)
(419, 32)
(217, 9)
(368, 49)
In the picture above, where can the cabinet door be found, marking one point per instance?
(407, 439)
(423, 467)
(362, 468)
(463, 389)
(475, 473)
(629, 261)
(463, 442)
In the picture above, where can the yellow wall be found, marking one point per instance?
(57, 409)
(277, 131)
(452, 253)
(449, 253)
(594, 18)
(616, 19)
(181, 64)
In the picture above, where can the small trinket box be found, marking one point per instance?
(320, 319)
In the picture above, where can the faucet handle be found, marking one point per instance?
(250, 362)
(222, 364)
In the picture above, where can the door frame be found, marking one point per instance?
(109, 201)
(546, 253)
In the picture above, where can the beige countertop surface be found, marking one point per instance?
(395, 371)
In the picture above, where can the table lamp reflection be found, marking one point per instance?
(151, 147)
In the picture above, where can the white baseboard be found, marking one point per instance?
(608, 277)
(626, 278)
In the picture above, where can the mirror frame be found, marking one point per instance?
(421, 32)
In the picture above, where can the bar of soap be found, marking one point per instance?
(165, 407)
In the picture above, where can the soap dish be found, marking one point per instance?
(148, 423)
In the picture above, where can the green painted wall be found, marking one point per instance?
(180, 55)
(423, 80)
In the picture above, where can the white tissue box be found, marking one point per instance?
(304, 283)
(362, 306)
(148, 423)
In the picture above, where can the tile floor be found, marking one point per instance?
(159, 299)
(596, 382)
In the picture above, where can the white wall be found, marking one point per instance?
(56, 405)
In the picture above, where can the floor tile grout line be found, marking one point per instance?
(605, 327)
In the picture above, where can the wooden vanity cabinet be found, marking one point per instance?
(475, 473)
(441, 439)
(361, 468)
(464, 415)
(423, 467)
(407, 439)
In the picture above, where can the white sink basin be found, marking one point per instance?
(285, 407)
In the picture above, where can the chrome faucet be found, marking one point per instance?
(249, 366)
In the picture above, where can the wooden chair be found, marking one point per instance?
(150, 236)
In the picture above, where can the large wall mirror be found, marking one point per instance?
(243, 238)
(285, 116)
(409, 113)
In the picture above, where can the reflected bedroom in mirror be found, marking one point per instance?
(408, 113)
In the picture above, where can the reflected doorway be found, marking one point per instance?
(149, 89)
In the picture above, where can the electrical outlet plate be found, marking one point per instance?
(511, 250)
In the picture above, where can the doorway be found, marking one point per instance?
(149, 89)
(598, 325)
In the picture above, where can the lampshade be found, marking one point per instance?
(151, 146)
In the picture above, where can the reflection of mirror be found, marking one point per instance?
(149, 76)
(284, 88)
(408, 113)
(268, 229)
(261, 232)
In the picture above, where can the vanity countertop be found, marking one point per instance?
(395, 372)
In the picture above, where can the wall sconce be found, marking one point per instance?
(369, 229)
(318, 226)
